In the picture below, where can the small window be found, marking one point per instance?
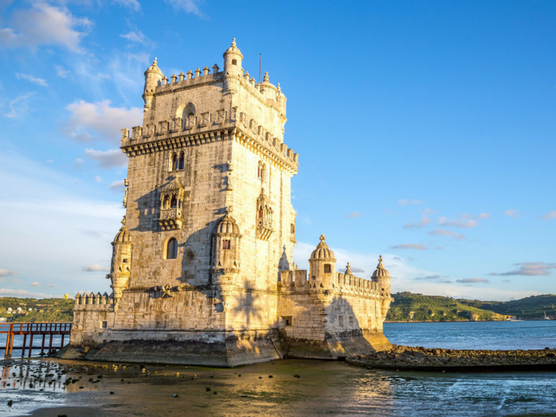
(234, 61)
(172, 249)
(327, 269)
(174, 202)
(314, 278)
(292, 228)
(287, 320)
(181, 161)
(103, 324)
(174, 162)
(341, 321)
(226, 244)
(350, 321)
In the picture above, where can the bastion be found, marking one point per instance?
(202, 268)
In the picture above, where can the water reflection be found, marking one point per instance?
(285, 388)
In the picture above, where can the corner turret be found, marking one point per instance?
(382, 277)
(153, 76)
(233, 60)
(322, 266)
(120, 269)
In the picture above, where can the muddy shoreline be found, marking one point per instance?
(451, 360)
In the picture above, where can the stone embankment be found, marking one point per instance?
(451, 360)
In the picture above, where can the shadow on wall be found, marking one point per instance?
(248, 310)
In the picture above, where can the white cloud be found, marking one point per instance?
(530, 269)
(112, 158)
(424, 222)
(132, 4)
(415, 246)
(511, 213)
(549, 215)
(89, 121)
(35, 284)
(44, 24)
(19, 106)
(61, 71)
(98, 178)
(94, 268)
(28, 77)
(405, 202)
(444, 232)
(7, 273)
(465, 221)
(188, 6)
(21, 293)
(117, 185)
(137, 37)
(353, 215)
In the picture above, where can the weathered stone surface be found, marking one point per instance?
(202, 266)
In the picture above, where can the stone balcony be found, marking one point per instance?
(264, 229)
(170, 219)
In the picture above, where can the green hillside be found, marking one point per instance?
(417, 307)
(43, 310)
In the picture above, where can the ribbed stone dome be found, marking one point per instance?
(322, 251)
(380, 270)
(233, 50)
(228, 225)
(123, 235)
(154, 68)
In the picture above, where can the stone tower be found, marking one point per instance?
(200, 263)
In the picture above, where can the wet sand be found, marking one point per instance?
(77, 389)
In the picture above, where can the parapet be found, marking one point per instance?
(85, 301)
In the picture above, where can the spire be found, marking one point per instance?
(322, 243)
(348, 270)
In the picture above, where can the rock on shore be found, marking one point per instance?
(420, 358)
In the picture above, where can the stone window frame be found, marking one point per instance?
(226, 244)
(171, 252)
(327, 268)
(177, 161)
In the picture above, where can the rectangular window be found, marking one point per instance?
(327, 269)
(341, 321)
(351, 321)
(288, 320)
(226, 244)
(103, 324)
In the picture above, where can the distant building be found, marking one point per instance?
(202, 267)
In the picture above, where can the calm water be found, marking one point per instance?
(504, 335)
(324, 388)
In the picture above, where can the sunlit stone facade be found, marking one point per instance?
(202, 269)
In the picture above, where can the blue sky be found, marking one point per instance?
(426, 132)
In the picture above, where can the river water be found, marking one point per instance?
(323, 388)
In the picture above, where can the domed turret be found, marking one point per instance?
(322, 266)
(228, 225)
(152, 77)
(380, 271)
(322, 251)
(233, 60)
(120, 269)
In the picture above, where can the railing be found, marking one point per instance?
(11, 330)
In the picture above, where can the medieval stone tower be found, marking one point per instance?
(202, 266)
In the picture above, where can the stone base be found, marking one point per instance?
(220, 349)
(334, 348)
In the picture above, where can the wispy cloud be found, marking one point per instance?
(7, 273)
(28, 77)
(529, 269)
(511, 213)
(424, 222)
(188, 6)
(472, 280)
(549, 215)
(19, 106)
(44, 24)
(61, 71)
(21, 293)
(430, 277)
(112, 158)
(444, 232)
(405, 202)
(465, 221)
(89, 121)
(132, 4)
(117, 186)
(415, 246)
(35, 284)
(353, 215)
(94, 268)
(138, 37)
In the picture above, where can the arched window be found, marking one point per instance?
(166, 202)
(174, 162)
(181, 161)
(174, 202)
(172, 249)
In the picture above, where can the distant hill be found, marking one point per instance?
(417, 307)
(32, 310)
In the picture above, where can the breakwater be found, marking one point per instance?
(453, 360)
